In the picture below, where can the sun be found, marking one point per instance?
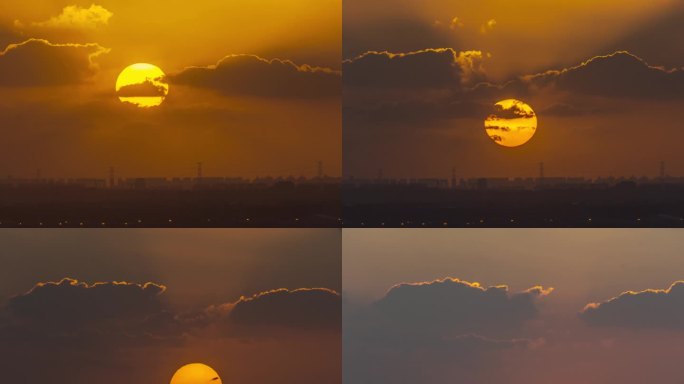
(195, 373)
(512, 123)
(142, 85)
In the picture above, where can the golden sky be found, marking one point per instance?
(57, 88)
(526, 35)
(604, 78)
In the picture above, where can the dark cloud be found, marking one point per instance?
(394, 35)
(255, 76)
(452, 306)
(620, 75)
(79, 311)
(147, 88)
(652, 308)
(617, 75)
(442, 68)
(305, 308)
(72, 301)
(37, 62)
(498, 128)
(120, 312)
(515, 111)
(444, 325)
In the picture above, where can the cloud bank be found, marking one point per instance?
(308, 307)
(38, 62)
(420, 331)
(251, 75)
(453, 306)
(121, 312)
(442, 68)
(652, 308)
(146, 88)
(617, 75)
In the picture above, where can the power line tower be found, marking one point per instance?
(540, 180)
(112, 183)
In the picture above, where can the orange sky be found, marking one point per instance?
(65, 119)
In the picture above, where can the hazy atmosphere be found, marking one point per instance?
(133, 306)
(514, 306)
(252, 88)
(604, 79)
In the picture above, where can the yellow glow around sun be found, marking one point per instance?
(195, 373)
(141, 84)
(513, 123)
